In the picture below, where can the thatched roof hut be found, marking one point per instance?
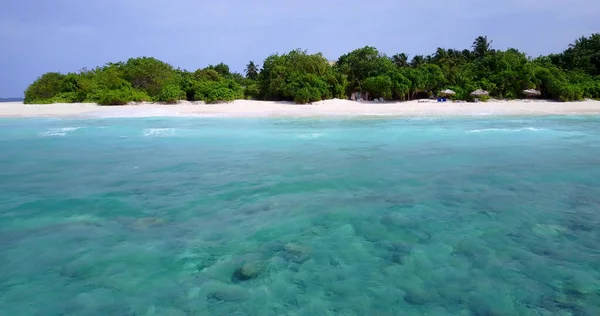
(532, 93)
(447, 92)
(479, 92)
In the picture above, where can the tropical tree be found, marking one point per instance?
(379, 86)
(400, 60)
(298, 76)
(301, 77)
(147, 74)
(583, 54)
(221, 69)
(481, 46)
(251, 71)
(361, 64)
(417, 61)
(44, 88)
(440, 56)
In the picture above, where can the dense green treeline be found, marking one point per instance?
(297, 76)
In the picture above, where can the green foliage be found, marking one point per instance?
(379, 87)
(65, 97)
(109, 77)
(252, 91)
(482, 98)
(148, 74)
(591, 89)
(504, 74)
(140, 79)
(120, 96)
(400, 60)
(44, 88)
(219, 90)
(252, 71)
(186, 83)
(481, 47)
(108, 87)
(214, 84)
(401, 85)
(337, 84)
(221, 69)
(306, 95)
(171, 94)
(207, 74)
(461, 93)
(297, 76)
(432, 76)
(417, 61)
(582, 55)
(361, 64)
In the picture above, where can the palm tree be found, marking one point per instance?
(417, 61)
(440, 56)
(579, 42)
(481, 46)
(467, 54)
(251, 71)
(401, 60)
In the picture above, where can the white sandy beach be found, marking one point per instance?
(244, 108)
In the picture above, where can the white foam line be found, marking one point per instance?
(534, 129)
(62, 131)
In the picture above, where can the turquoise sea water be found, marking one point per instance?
(190, 216)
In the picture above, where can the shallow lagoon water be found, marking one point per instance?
(191, 216)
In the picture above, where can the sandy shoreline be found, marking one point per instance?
(244, 108)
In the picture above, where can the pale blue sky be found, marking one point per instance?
(38, 36)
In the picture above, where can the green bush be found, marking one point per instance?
(461, 93)
(121, 96)
(44, 88)
(302, 96)
(570, 93)
(483, 98)
(114, 97)
(147, 74)
(379, 87)
(300, 77)
(171, 94)
(592, 90)
(66, 97)
(215, 91)
(252, 91)
(307, 95)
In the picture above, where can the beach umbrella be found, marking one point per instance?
(531, 93)
(448, 92)
(479, 92)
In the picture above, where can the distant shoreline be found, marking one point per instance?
(4, 100)
(328, 108)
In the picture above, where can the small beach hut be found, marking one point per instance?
(479, 93)
(447, 92)
(531, 93)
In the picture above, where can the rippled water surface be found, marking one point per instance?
(176, 216)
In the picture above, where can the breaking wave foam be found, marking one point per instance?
(310, 136)
(533, 129)
(62, 131)
(158, 131)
